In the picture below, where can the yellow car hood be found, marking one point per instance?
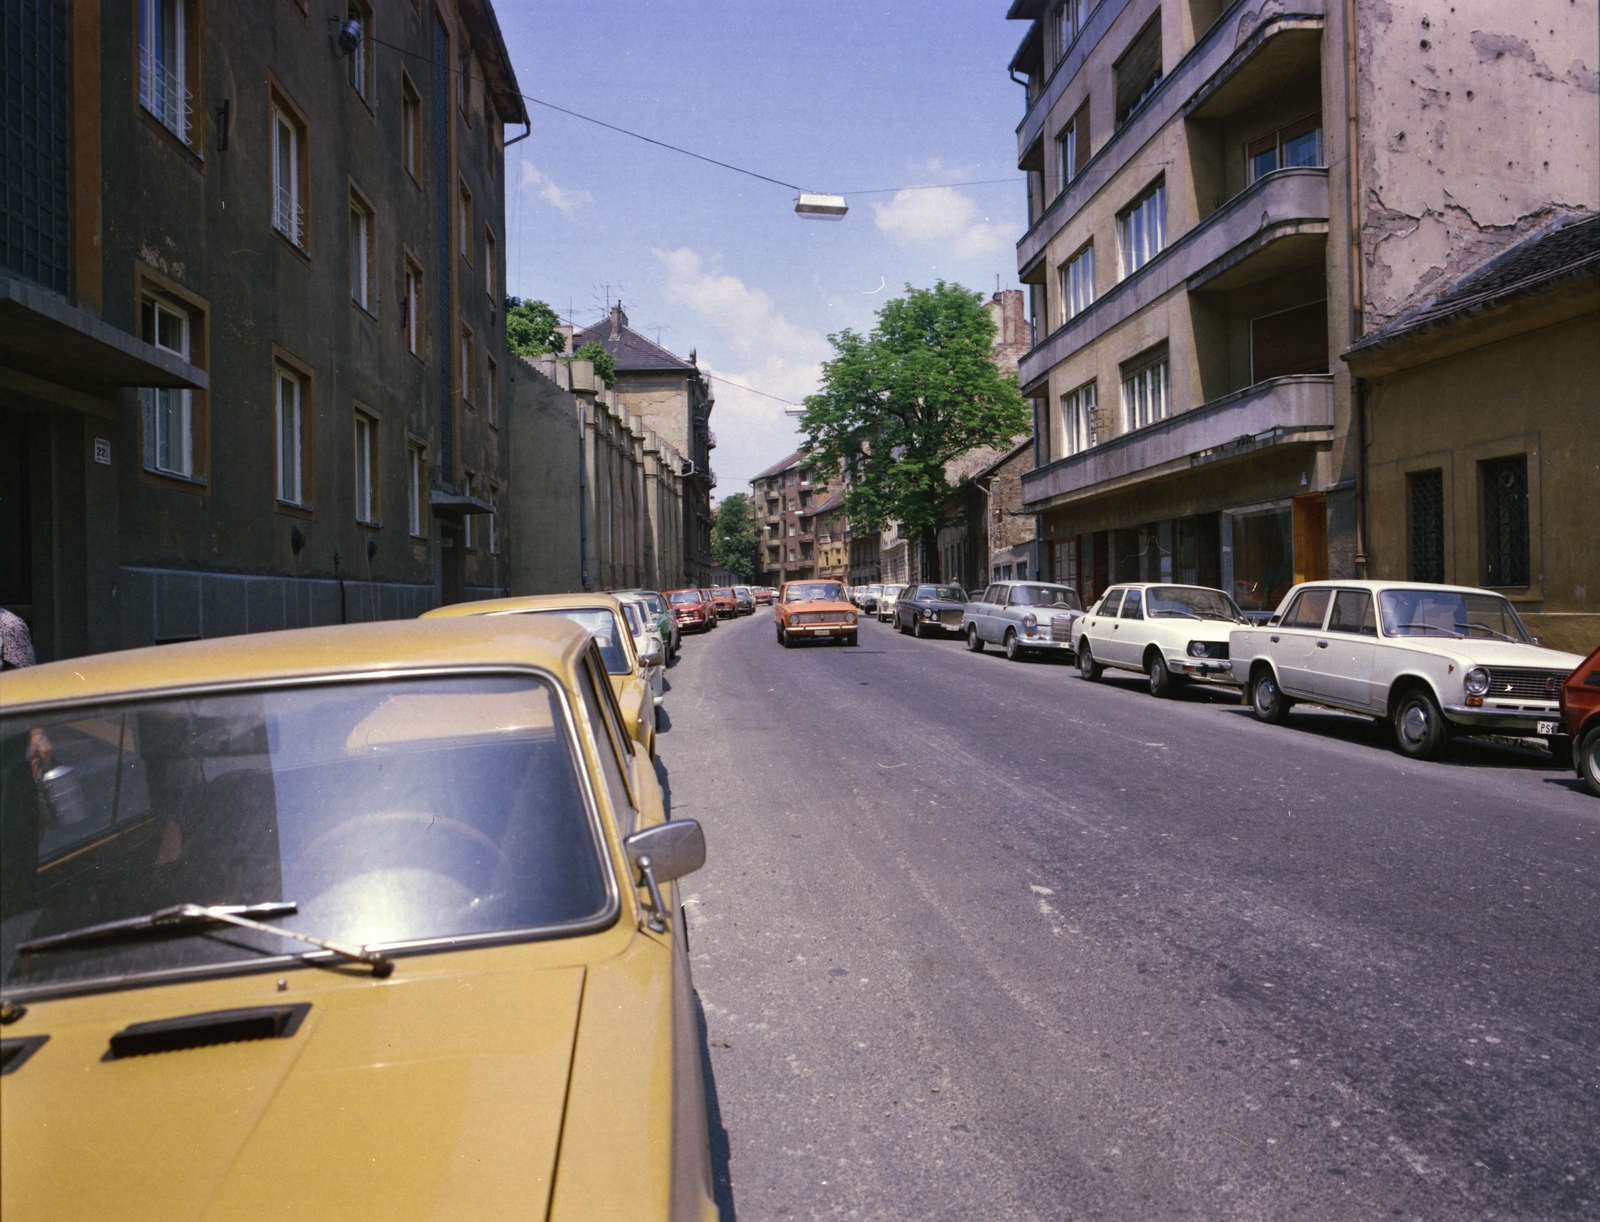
(427, 1097)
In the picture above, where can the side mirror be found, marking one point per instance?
(654, 656)
(662, 853)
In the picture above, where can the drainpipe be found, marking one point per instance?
(1352, 161)
(583, 499)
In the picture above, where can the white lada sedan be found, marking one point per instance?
(1167, 631)
(1430, 660)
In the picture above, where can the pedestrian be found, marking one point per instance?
(16, 646)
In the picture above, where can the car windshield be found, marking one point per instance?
(892, 591)
(814, 592)
(721, 592)
(653, 601)
(1190, 602)
(950, 593)
(685, 598)
(1046, 596)
(386, 812)
(1450, 613)
(603, 624)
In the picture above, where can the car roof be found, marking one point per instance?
(1354, 584)
(527, 602)
(366, 650)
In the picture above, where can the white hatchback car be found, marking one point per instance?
(1166, 631)
(1430, 660)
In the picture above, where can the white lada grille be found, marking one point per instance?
(1515, 683)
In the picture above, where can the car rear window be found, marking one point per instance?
(603, 624)
(386, 812)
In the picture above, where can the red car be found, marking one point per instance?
(1580, 709)
(763, 595)
(711, 606)
(723, 600)
(692, 611)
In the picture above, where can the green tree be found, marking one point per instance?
(735, 538)
(897, 404)
(532, 329)
(604, 363)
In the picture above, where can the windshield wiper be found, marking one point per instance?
(1175, 611)
(1491, 631)
(179, 916)
(1432, 628)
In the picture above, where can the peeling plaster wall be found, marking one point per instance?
(1480, 122)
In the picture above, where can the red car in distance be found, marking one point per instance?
(691, 610)
(763, 595)
(1580, 710)
(723, 600)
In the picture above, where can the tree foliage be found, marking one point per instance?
(735, 537)
(604, 363)
(532, 329)
(899, 403)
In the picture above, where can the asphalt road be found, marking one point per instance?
(978, 939)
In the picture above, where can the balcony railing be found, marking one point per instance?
(162, 95)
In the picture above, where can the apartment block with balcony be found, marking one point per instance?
(801, 523)
(1200, 253)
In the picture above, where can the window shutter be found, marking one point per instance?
(1295, 341)
(1139, 68)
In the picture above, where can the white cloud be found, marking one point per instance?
(939, 215)
(567, 202)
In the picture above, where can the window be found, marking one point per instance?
(366, 438)
(168, 413)
(1505, 521)
(466, 365)
(491, 389)
(466, 223)
(416, 487)
(1353, 612)
(411, 308)
(410, 126)
(1131, 605)
(1077, 418)
(288, 176)
(1142, 228)
(1070, 18)
(363, 289)
(1425, 525)
(1077, 284)
(358, 64)
(1289, 342)
(488, 262)
(1072, 146)
(1296, 145)
(290, 412)
(1308, 610)
(166, 41)
(463, 76)
(1138, 72)
(1145, 387)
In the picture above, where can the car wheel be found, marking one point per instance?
(851, 640)
(783, 638)
(1013, 646)
(1087, 666)
(916, 628)
(1160, 677)
(1419, 727)
(1589, 760)
(1267, 700)
(974, 641)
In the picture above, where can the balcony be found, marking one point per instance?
(1265, 229)
(1280, 411)
(711, 440)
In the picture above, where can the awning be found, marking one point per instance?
(46, 337)
(455, 506)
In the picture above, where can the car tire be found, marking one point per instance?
(1161, 685)
(851, 640)
(974, 641)
(1267, 701)
(1087, 666)
(1419, 727)
(783, 639)
(1588, 760)
(1013, 646)
(916, 628)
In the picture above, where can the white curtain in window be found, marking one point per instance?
(289, 438)
(1078, 290)
(1144, 397)
(364, 470)
(1144, 230)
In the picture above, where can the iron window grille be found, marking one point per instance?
(1505, 521)
(163, 65)
(1425, 498)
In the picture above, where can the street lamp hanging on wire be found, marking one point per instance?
(821, 207)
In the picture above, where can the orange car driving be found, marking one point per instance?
(814, 610)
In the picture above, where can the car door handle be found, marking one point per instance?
(1274, 640)
(1322, 644)
(1114, 627)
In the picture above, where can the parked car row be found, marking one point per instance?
(1430, 662)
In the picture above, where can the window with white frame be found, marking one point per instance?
(168, 412)
(289, 399)
(1077, 418)
(363, 286)
(411, 308)
(366, 447)
(1142, 228)
(358, 64)
(488, 262)
(288, 186)
(1072, 146)
(1146, 383)
(166, 37)
(1077, 283)
(416, 487)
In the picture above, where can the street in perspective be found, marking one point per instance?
(713, 611)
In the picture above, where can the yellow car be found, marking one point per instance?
(602, 615)
(372, 922)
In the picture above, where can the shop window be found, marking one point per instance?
(1425, 525)
(1289, 342)
(168, 412)
(1138, 72)
(1077, 284)
(1296, 145)
(1263, 558)
(1142, 228)
(168, 50)
(1077, 418)
(366, 456)
(1506, 550)
(1146, 385)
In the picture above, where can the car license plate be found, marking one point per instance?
(1548, 727)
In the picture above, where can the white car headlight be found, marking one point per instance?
(1476, 681)
(1197, 649)
(1030, 621)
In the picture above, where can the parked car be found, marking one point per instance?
(765, 595)
(866, 598)
(1430, 660)
(343, 899)
(1167, 632)
(691, 610)
(666, 622)
(723, 600)
(602, 615)
(813, 610)
(1024, 617)
(886, 601)
(711, 605)
(647, 642)
(926, 610)
(1580, 711)
(744, 600)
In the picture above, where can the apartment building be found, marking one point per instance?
(1223, 199)
(251, 344)
(789, 507)
(672, 397)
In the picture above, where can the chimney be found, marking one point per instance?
(618, 321)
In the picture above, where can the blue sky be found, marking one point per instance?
(837, 97)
